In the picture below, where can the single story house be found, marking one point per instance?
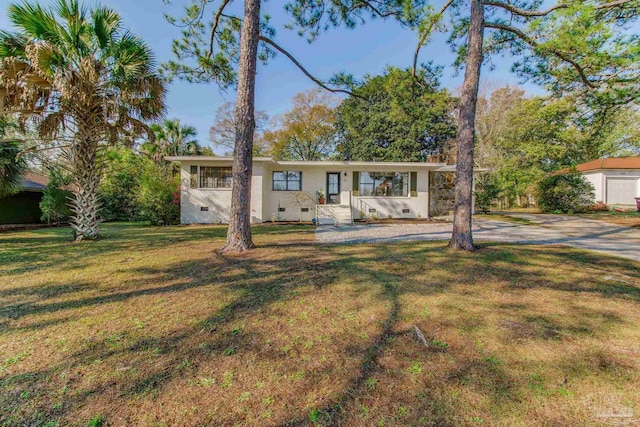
(292, 190)
(24, 206)
(616, 180)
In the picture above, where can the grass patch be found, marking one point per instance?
(152, 326)
(506, 218)
(629, 218)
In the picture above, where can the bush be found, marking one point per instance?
(117, 191)
(56, 197)
(565, 193)
(12, 167)
(487, 190)
(157, 196)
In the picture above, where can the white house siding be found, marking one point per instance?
(209, 205)
(596, 179)
(314, 179)
(217, 200)
(386, 207)
(275, 201)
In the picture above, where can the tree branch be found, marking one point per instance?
(433, 21)
(524, 12)
(612, 4)
(214, 26)
(537, 13)
(531, 42)
(374, 9)
(304, 70)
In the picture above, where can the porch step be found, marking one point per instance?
(333, 214)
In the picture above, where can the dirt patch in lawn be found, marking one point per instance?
(152, 326)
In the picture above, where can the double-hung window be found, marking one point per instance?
(384, 184)
(287, 181)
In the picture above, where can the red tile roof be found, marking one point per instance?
(610, 163)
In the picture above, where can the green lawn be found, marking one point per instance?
(152, 326)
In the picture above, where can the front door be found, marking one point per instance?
(333, 188)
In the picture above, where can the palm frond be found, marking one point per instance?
(106, 24)
(51, 125)
(12, 44)
(34, 21)
(132, 58)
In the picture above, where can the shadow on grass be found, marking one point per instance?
(29, 250)
(258, 282)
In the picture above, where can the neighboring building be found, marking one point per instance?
(289, 190)
(616, 180)
(24, 207)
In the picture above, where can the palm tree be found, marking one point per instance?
(172, 139)
(85, 83)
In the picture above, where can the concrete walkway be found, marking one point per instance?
(577, 232)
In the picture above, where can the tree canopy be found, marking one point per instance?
(396, 117)
(223, 131)
(522, 139)
(306, 132)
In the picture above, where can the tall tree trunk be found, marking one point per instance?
(85, 204)
(239, 231)
(461, 237)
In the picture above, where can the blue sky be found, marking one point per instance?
(367, 49)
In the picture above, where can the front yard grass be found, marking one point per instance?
(151, 326)
(505, 218)
(628, 218)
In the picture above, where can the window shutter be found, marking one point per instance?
(414, 183)
(193, 177)
(356, 183)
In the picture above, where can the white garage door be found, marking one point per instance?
(621, 191)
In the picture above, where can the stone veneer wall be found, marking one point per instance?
(442, 193)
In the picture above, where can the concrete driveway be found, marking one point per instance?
(572, 231)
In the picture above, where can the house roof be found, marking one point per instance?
(610, 163)
(435, 166)
(32, 181)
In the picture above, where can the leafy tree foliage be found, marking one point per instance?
(523, 139)
(57, 197)
(306, 132)
(12, 165)
(396, 117)
(120, 183)
(487, 190)
(157, 196)
(84, 81)
(565, 193)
